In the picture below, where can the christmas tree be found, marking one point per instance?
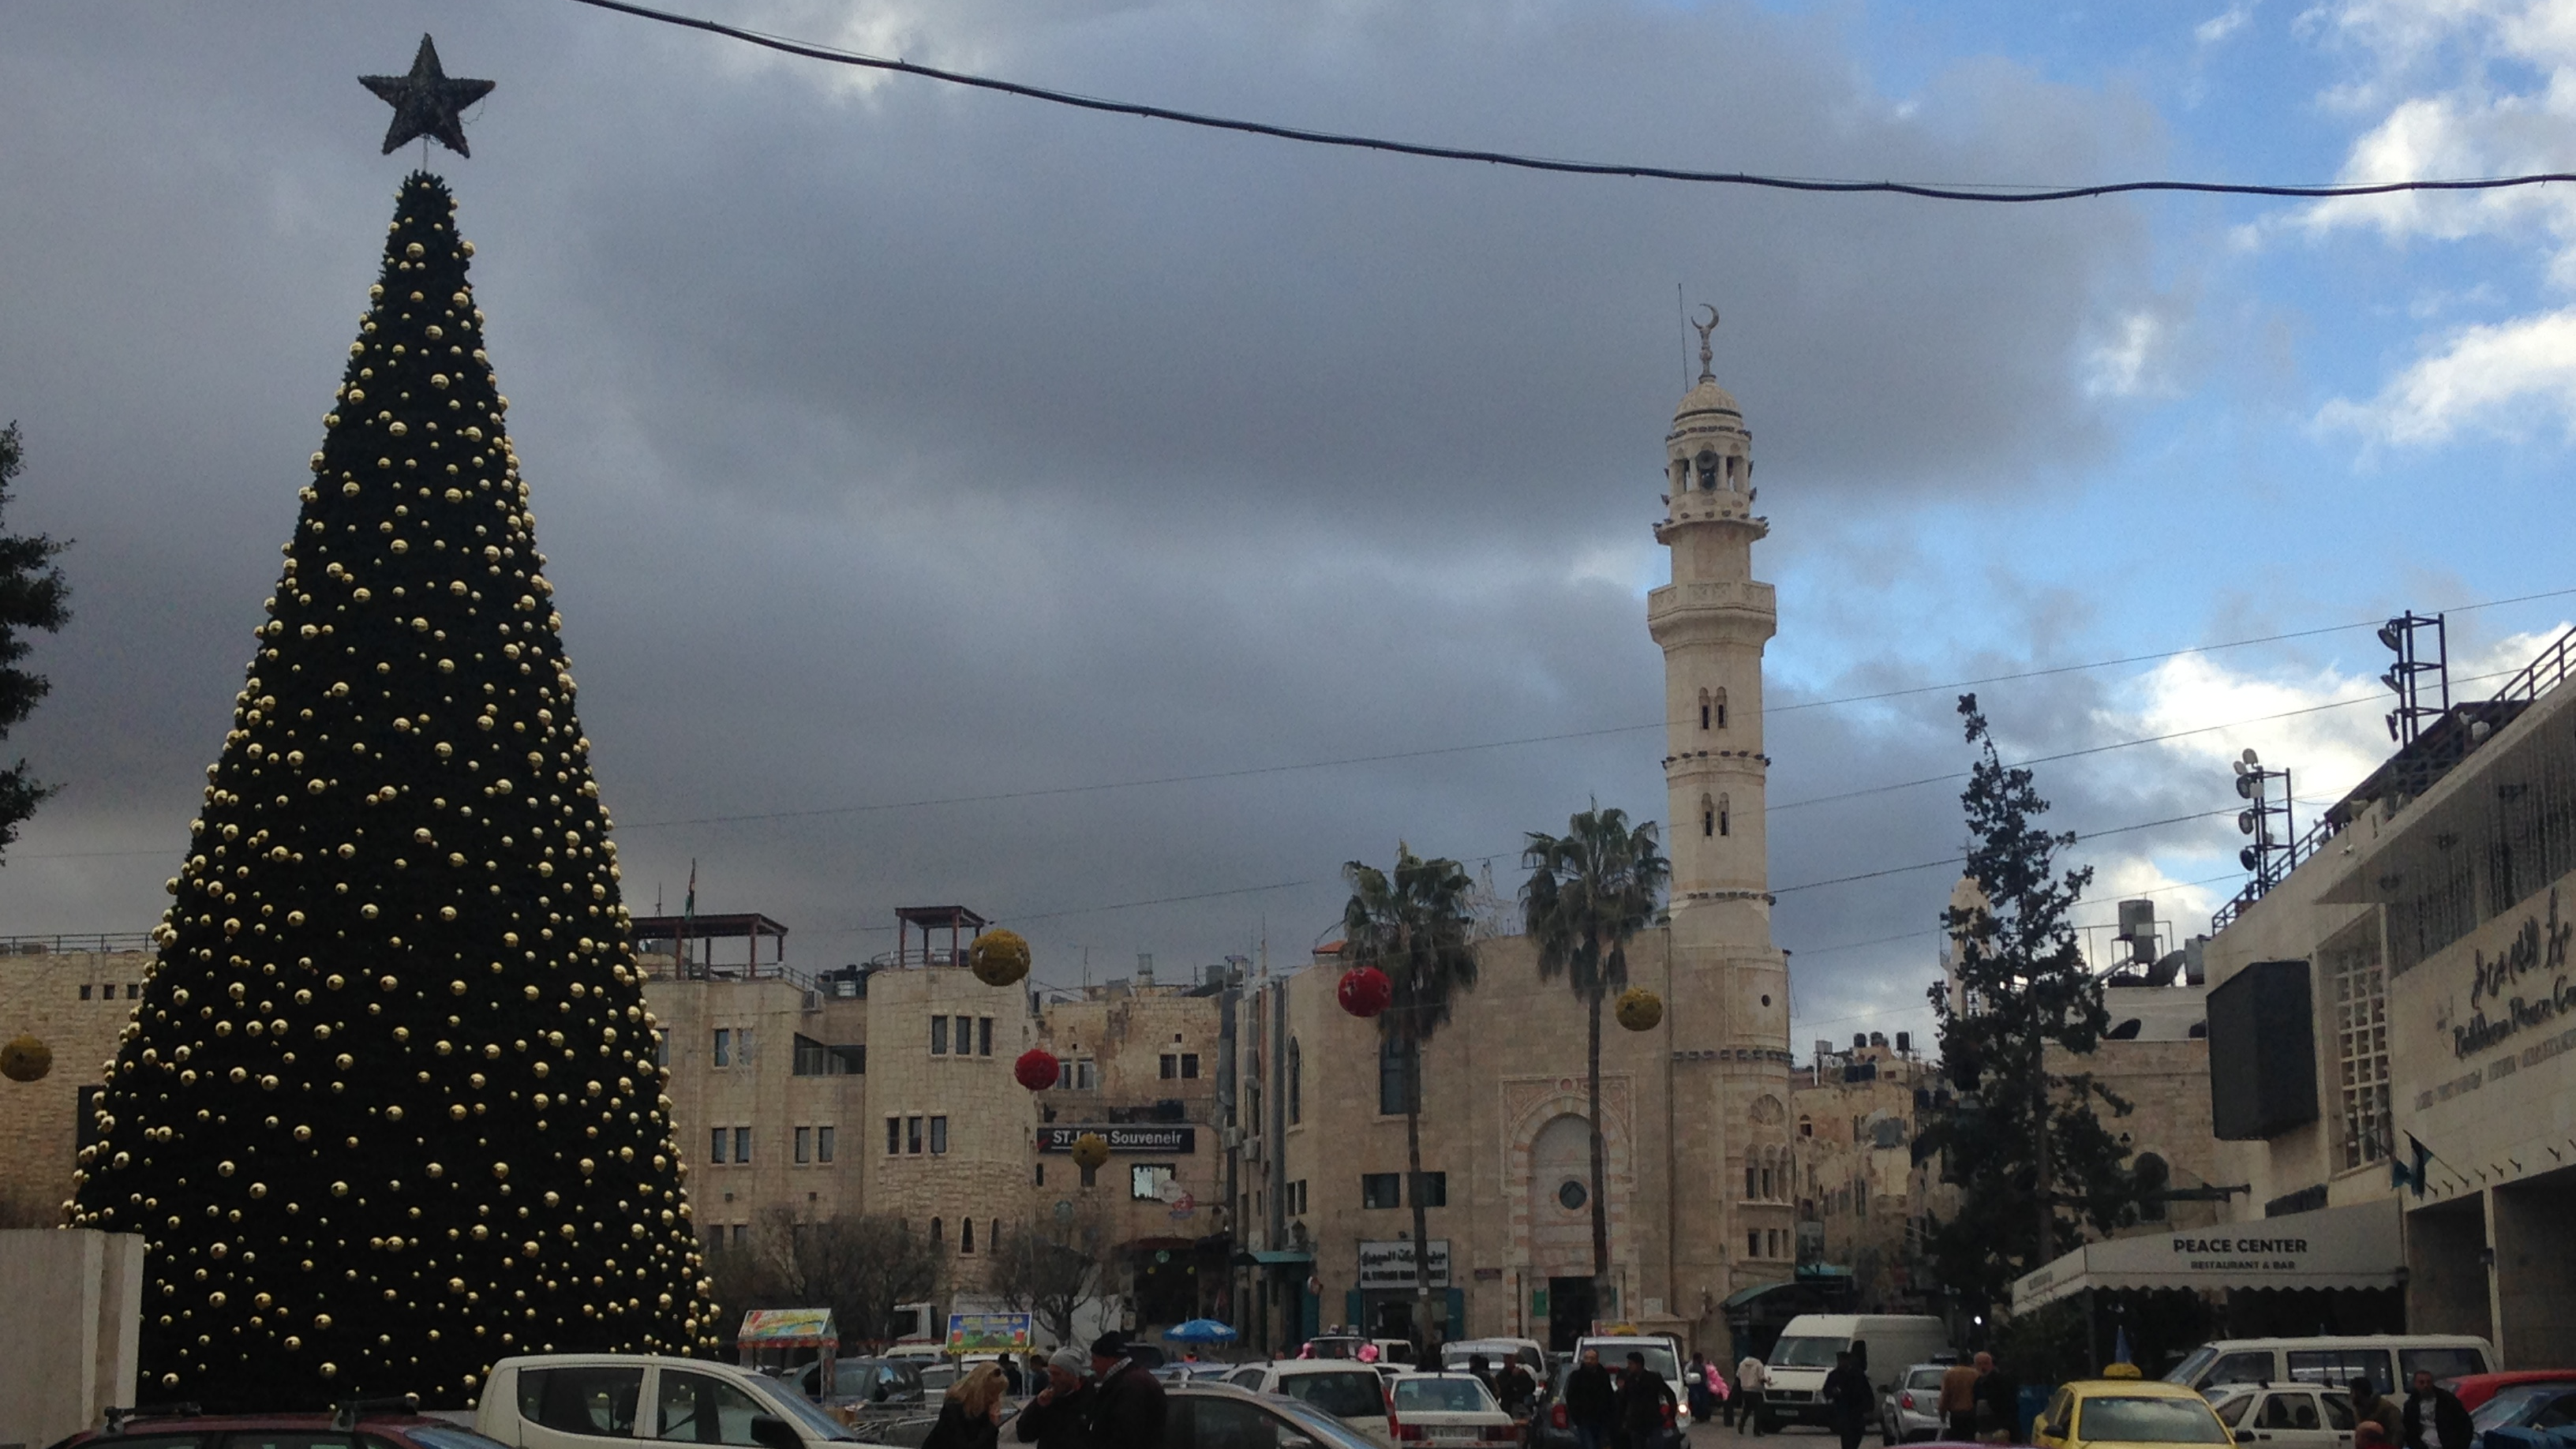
(389, 1108)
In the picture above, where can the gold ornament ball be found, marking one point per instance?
(1640, 1009)
(999, 958)
(25, 1059)
(1090, 1150)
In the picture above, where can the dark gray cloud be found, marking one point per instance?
(894, 443)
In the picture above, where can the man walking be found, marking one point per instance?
(1749, 1380)
(1847, 1396)
(2435, 1417)
(1127, 1400)
(1591, 1403)
(1645, 1405)
(1959, 1399)
(2368, 1403)
(1060, 1416)
(1998, 1402)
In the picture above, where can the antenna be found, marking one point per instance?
(2405, 678)
(1681, 316)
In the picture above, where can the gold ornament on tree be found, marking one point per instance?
(1090, 1151)
(1639, 1009)
(998, 958)
(25, 1059)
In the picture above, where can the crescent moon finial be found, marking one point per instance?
(1705, 328)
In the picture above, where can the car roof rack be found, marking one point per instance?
(116, 1416)
(346, 1413)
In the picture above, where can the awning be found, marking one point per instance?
(2342, 1247)
(787, 1328)
(1278, 1257)
(1742, 1296)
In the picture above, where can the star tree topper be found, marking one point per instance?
(426, 101)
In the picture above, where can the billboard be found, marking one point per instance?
(989, 1333)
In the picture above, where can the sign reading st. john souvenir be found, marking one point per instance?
(1123, 1139)
(1389, 1264)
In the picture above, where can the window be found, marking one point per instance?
(1704, 708)
(938, 1235)
(983, 1036)
(1721, 709)
(938, 1136)
(1724, 814)
(741, 1144)
(1171, 1066)
(1041, 1172)
(741, 1234)
(966, 1236)
(1189, 1066)
(598, 1401)
(133, 990)
(912, 1136)
(2357, 1015)
(661, 1048)
(85, 990)
(1077, 1076)
(704, 1409)
(939, 1036)
(1431, 1189)
(1395, 1086)
(823, 1143)
(1381, 1189)
(804, 1145)
(724, 1048)
(1296, 1084)
(1145, 1180)
(1707, 816)
(716, 1141)
(1750, 1170)
(813, 1059)
(1297, 1191)
(742, 1046)
(1753, 1243)
(1771, 1240)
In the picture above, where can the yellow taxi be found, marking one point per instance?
(2093, 1413)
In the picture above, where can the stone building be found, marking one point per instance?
(1852, 1158)
(2402, 1089)
(74, 995)
(1695, 1111)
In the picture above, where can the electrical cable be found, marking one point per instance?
(1348, 141)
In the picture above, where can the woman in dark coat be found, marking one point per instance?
(970, 1416)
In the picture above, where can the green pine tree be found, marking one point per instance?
(33, 597)
(389, 1109)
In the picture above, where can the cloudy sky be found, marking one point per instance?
(1115, 527)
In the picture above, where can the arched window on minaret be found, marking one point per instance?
(1705, 704)
(1708, 466)
(1707, 816)
(1723, 812)
(1721, 711)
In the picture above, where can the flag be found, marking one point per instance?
(2120, 1346)
(2410, 1174)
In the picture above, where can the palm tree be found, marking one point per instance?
(1414, 926)
(1590, 890)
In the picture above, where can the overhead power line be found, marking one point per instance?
(1348, 141)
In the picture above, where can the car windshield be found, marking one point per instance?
(1806, 1352)
(2193, 1365)
(2148, 1421)
(1442, 1396)
(1344, 1394)
(811, 1422)
(1659, 1356)
(448, 1436)
(1929, 1375)
(1326, 1431)
(2441, 1363)
(2512, 1400)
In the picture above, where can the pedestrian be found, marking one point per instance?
(1060, 1416)
(970, 1416)
(1703, 1403)
(2435, 1418)
(1591, 1401)
(1012, 1384)
(1750, 1379)
(1482, 1369)
(1958, 1401)
(1127, 1400)
(2368, 1403)
(1645, 1406)
(1998, 1402)
(1514, 1388)
(1847, 1399)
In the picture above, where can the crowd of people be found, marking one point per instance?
(1106, 1400)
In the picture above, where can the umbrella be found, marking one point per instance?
(1199, 1330)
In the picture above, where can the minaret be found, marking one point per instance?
(1730, 985)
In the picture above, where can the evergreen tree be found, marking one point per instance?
(32, 597)
(2019, 1142)
(389, 1108)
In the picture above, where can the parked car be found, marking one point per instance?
(1549, 1428)
(1204, 1415)
(870, 1381)
(2126, 1411)
(2473, 1390)
(2535, 1403)
(1181, 1371)
(2287, 1416)
(1351, 1392)
(351, 1428)
(1455, 1353)
(1447, 1408)
(1794, 1375)
(1909, 1409)
(2388, 1360)
(574, 1400)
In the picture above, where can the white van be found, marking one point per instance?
(603, 1400)
(2389, 1360)
(1794, 1375)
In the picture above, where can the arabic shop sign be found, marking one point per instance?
(2539, 951)
(1389, 1264)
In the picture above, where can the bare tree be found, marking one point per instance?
(860, 1266)
(1049, 1270)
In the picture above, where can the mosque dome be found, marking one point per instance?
(1705, 399)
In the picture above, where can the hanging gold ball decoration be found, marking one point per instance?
(25, 1059)
(1090, 1150)
(999, 958)
(1639, 1009)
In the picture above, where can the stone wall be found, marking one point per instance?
(76, 1003)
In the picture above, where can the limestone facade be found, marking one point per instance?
(75, 1002)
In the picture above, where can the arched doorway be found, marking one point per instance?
(1560, 1226)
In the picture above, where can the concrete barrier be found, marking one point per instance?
(73, 1314)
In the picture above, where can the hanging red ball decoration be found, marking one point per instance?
(1036, 1069)
(1365, 991)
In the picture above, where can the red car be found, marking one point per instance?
(353, 1427)
(2476, 1389)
